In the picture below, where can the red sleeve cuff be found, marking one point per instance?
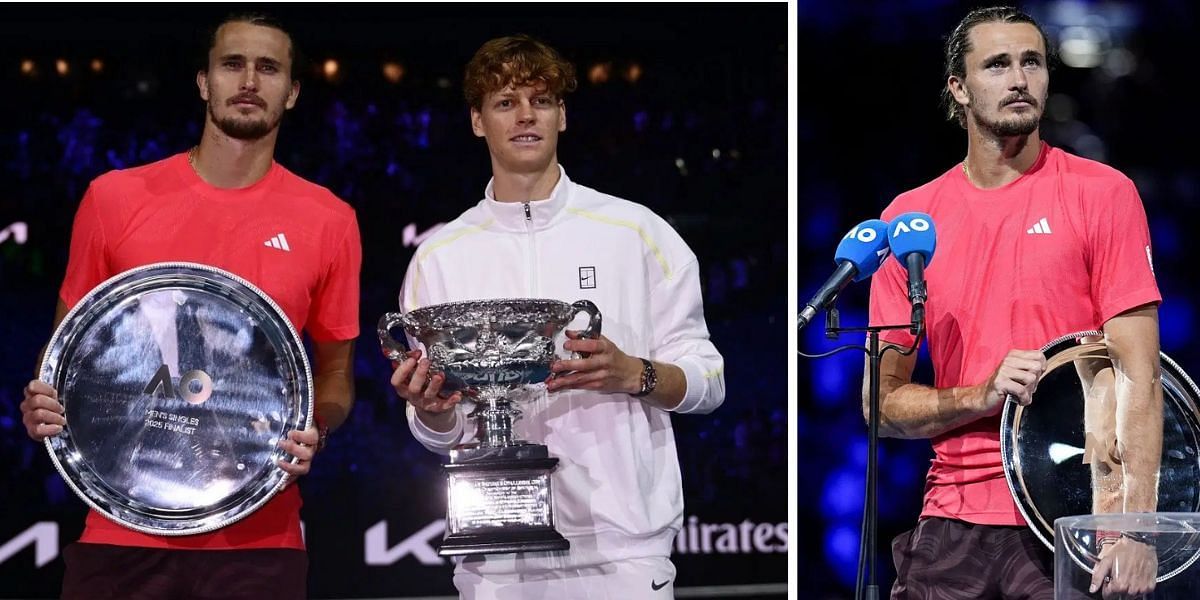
(1129, 301)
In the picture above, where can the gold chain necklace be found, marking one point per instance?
(191, 156)
(966, 172)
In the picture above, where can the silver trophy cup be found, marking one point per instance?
(498, 488)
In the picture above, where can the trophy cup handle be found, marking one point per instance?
(392, 349)
(593, 327)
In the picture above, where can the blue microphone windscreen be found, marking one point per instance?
(865, 246)
(912, 232)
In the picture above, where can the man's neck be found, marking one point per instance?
(508, 186)
(228, 163)
(993, 161)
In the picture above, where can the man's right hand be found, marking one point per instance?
(41, 411)
(1017, 376)
(1127, 569)
(415, 385)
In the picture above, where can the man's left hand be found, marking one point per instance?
(302, 445)
(606, 369)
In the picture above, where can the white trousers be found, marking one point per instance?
(632, 579)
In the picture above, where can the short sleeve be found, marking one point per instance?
(333, 314)
(1120, 259)
(87, 262)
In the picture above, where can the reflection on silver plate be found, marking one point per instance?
(178, 381)
(1047, 446)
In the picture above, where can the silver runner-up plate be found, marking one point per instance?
(1057, 461)
(178, 381)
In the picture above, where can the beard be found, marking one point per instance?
(1010, 126)
(239, 127)
(1015, 125)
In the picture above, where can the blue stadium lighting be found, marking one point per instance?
(1176, 317)
(843, 495)
(821, 222)
(114, 160)
(640, 119)
(903, 470)
(1164, 234)
(858, 451)
(834, 379)
(841, 550)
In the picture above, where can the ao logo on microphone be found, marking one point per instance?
(865, 235)
(913, 224)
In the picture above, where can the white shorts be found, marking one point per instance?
(632, 579)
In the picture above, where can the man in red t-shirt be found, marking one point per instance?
(228, 204)
(1034, 244)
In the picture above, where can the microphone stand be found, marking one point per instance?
(868, 541)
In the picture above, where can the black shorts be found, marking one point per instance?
(946, 559)
(101, 571)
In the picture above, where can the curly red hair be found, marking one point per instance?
(516, 60)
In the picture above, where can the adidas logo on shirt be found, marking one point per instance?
(278, 242)
(1041, 227)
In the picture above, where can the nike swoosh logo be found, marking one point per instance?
(658, 586)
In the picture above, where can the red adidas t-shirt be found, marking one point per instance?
(164, 212)
(1060, 250)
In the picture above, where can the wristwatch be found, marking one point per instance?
(322, 432)
(1139, 537)
(649, 379)
(1105, 537)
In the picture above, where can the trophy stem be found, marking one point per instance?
(494, 420)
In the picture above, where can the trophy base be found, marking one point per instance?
(503, 542)
(500, 501)
(516, 454)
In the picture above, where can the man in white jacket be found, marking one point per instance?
(536, 234)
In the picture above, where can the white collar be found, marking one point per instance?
(532, 215)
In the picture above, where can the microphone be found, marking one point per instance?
(858, 256)
(913, 239)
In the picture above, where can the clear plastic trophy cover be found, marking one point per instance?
(178, 381)
(1054, 450)
(1134, 555)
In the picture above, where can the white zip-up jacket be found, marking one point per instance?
(617, 488)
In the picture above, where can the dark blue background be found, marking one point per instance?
(870, 127)
(700, 138)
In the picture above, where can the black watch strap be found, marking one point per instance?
(649, 379)
(1138, 536)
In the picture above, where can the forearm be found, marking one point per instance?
(1139, 439)
(1100, 437)
(692, 384)
(441, 422)
(671, 388)
(333, 397)
(431, 436)
(691, 371)
(914, 411)
(333, 381)
(1132, 341)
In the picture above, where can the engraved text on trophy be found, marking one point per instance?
(194, 388)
